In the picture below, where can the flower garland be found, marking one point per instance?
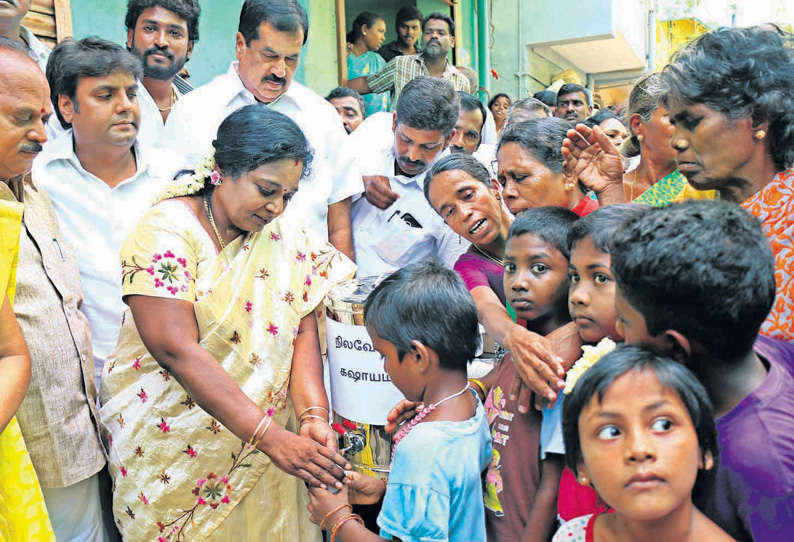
(187, 185)
(589, 358)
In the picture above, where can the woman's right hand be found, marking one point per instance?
(401, 413)
(536, 362)
(315, 464)
(595, 161)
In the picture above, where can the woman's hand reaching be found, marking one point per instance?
(596, 162)
(303, 457)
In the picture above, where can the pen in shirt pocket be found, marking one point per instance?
(60, 251)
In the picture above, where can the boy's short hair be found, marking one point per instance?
(632, 358)
(551, 224)
(408, 13)
(72, 60)
(601, 225)
(703, 268)
(428, 303)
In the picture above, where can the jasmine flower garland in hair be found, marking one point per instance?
(187, 185)
(589, 358)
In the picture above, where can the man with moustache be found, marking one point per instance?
(573, 103)
(271, 34)
(438, 37)
(396, 226)
(162, 34)
(11, 14)
(408, 24)
(101, 180)
(350, 106)
(58, 416)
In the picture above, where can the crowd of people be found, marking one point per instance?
(164, 251)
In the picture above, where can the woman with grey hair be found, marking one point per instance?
(655, 180)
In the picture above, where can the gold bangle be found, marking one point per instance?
(305, 410)
(267, 426)
(334, 511)
(340, 522)
(481, 386)
(307, 416)
(258, 427)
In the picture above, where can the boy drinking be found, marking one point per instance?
(423, 322)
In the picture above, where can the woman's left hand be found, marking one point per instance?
(595, 161)
(319, 431)
(321, 502)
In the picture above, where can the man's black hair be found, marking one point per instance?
(283, 15)
(90, 57)
(571, 88)
(347, 92)
(438, 16)
(189, 10)
(428, 103)
(408, 13)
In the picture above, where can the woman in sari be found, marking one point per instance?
(366, 37)
(23, 514)
(730, 98)
(218, 365)
(531, 170)
(655, 180)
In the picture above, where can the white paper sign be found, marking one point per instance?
(360, 389)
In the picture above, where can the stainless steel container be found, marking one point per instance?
(361, 392)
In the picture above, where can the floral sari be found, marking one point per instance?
(23, 514)
(178, 473)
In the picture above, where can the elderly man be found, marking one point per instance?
(162, 34)
(350, 106)
(438, 37)
(394, 223)
(58, 417)
(269, 41)
(101, 180)
(11, 14)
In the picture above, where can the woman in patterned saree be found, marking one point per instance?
(730, 94)
(213, 399)
(655, 180)
(730, 97)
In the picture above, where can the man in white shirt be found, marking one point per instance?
(162, 34)
(269, 41)
(100, 180)
(11, 14)
(393, 223)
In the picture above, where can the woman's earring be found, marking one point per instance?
(760, 134)
(583, 480)
(640, 137)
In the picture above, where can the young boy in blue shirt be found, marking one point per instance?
(423, 322)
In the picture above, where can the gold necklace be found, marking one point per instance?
(173, 101)
(208, 210)
(494, 259)
(631, 185)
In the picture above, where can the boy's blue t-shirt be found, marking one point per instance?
(435, 490)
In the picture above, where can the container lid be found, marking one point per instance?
(350, 295)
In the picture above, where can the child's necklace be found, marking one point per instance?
(402, 433)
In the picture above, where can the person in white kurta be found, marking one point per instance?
(95, 218)
(408, 230)
(100, 178)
